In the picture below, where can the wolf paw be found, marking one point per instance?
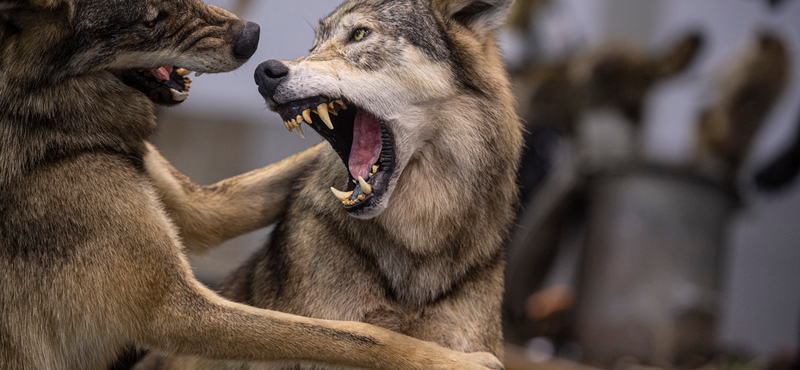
(472, 361)
(487, 361)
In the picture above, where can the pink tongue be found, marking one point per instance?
(366, 144)
(162, 73)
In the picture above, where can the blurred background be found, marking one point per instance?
(660, 223)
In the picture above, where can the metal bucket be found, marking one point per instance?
(649, 287)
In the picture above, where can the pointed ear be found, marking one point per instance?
(680, 56)
(8, 5)
(8, 9)
(11, 5)
(478, 15)
(17, 12)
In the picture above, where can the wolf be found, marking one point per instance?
(401, 219)
(91, 256)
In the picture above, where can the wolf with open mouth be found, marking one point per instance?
(392, 83)
(401, 219)
(92, 246)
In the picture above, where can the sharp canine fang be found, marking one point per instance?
(183, 72)
(307, 115)
(300, 130)
(322, 111)
(366, 188)
(178, 96)
(341, 195)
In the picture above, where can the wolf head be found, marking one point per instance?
(621, 77)
(149, 44)
(391, 85)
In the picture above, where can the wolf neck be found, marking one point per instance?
(462, 180)
(93, 113)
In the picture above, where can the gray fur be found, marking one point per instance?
(428, 260)
(91, 257)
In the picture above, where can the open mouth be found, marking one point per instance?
(363, 141)
(167, 85)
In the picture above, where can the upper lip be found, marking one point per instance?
(297, 112)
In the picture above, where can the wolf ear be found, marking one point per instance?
(16, 12)
(8, 5)
(680, 56)
(7, 10)
(478, 15)
(11, 5)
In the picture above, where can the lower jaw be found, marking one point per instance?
(343, 124)
(161, 92)
(362, 195)
(359, 201)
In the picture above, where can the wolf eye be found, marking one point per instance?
(160, 17)
(360, 34)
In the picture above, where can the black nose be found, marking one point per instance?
(269, 75)
(248, 41)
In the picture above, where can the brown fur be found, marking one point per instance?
(748, 89)
(430, 264)
(90, 261)
(610, 77)
(560, 95)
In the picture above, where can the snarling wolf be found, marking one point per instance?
(91, 257)
(400, 221)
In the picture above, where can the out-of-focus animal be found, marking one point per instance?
(562, 95)
(747, 91)
(615, 77)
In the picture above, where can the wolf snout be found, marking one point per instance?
(269, 75)
(247, 44)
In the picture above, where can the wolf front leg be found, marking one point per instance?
(209, 215)
(199, 323)
(170, 312)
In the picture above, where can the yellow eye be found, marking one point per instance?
(160, 17)
(360, 34)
